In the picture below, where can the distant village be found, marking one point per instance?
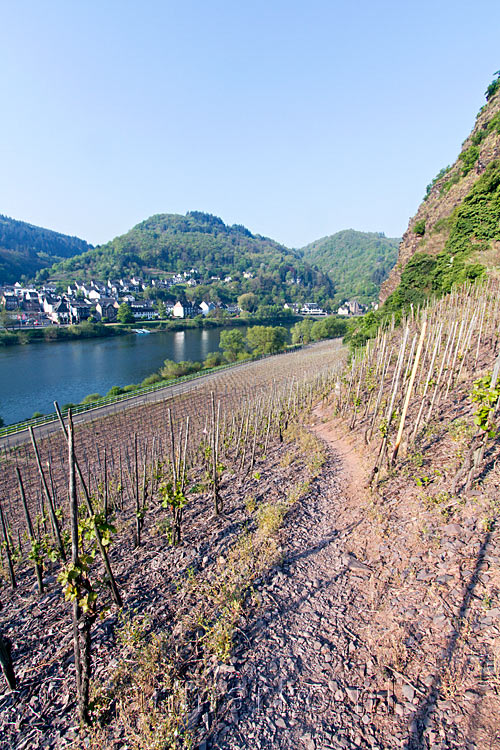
(99, 300)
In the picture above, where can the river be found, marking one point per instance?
(33, 376)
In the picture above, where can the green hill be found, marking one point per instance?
(26, 248)
(357, 262)
(171, 242)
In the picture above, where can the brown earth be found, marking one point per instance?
(370, 636)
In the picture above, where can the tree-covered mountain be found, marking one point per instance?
(26, 248)
(357, 262)
(172, 242)
(455, 234)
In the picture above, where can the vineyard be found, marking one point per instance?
(130, 545)
(147, 553)
(420, 406)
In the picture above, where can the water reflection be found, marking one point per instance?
(179, 345)
(33, 376)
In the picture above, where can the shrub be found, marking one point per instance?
(114, 391)
(90, 398)
(214, 359)
(419, 227)
(155, 377)
(469, 157)
(493, 87)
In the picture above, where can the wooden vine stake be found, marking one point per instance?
(217, 499)
(82, 621)
(409, 391)
(6, 546)
(31, 533)
(102, 549)
(6, 661)
(45, 488)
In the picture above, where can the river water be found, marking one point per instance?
(33, 376)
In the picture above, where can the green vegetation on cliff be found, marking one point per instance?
(455, 235)
(473, 226)
(25, 248)
(357, 262)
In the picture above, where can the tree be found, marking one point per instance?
(213, 359)
(5, 318)
(125, 314)
(232, 343)
(248, 301)
(301, 332)
(267, 339)
(328, 328)
(161, 309)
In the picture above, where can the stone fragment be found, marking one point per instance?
(353, 694)
(408, 692)
(452, 529)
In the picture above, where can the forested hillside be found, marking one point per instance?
(171, 242)
(26, 248)
(358, 262)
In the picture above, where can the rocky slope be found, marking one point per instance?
(429, 231)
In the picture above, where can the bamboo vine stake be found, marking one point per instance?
(409, 391)
(430, 371)
(379, 396)
(479, 454)
(440, 374)
(384, 442)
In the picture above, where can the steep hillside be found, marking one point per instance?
(171, 242)
(455, 233)
(357, 262)
(25, 248)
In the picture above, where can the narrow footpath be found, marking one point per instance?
(304, 676)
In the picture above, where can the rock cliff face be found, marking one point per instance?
(429, 229)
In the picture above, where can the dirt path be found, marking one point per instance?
(348, 651)
(297, 682)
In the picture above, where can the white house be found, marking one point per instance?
(311, 308)
(184, 310)
(206, 307)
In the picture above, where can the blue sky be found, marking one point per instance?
(297, 119)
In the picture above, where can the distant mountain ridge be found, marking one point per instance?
(346, 265)
(358, 262)
(26, 248)
(240, 260)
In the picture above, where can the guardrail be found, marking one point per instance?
(12, 429)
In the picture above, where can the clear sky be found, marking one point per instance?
(297, 119)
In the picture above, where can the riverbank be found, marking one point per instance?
(90, 329)
(46, 334)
